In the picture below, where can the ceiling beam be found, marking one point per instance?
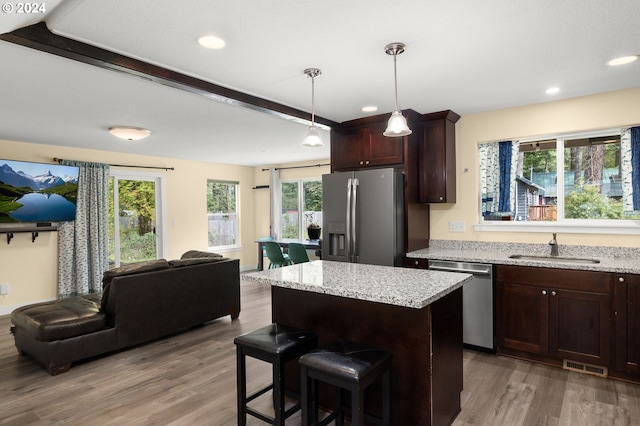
(39, 37)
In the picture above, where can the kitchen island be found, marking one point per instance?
(414, 314)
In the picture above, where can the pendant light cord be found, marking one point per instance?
(313, 101)
(395, 79)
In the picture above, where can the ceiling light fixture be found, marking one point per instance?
(623, 60)
(313, 139)
(129, 133)
(370, 108)
(552, 90)
(397, 125)
(211, 42)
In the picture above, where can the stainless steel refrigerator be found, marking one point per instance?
(363, 217)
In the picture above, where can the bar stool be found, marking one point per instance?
(349, 366)
(276, 344)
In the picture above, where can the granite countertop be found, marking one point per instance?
(407, 287)
(612, 259)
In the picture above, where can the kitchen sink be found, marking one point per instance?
(554, 259)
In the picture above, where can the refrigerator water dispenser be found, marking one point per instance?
(337, 239)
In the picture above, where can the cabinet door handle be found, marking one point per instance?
(621, 279)
(367, 162)
(441, 198)
(544, 292)
(417, 262)
(553, 293)
(361, 163)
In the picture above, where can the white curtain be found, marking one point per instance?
(276, 204)
(83, 244)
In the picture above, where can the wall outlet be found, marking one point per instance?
(4, 288)
(456, 226)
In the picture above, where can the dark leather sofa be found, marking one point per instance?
(139, 303)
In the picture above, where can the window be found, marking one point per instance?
(222, 214)
(573, 179)
(300, 196)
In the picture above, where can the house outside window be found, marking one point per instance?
(301, 206)
(222, 214)
(583, 178)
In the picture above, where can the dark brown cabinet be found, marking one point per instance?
(562, 314)
(523, 317)
(437, 156)
(627, 333)
(360, 145)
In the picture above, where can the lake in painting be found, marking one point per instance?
(38, 207)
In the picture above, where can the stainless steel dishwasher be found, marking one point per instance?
(478, 328)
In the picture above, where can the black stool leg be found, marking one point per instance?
(357, 406)
(386, 398)
(338, 407)
(278, 392)
(304, 396)
(241, 380)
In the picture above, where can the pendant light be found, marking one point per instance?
(312, 139)
(397, 125)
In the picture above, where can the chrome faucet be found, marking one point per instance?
(554, 246)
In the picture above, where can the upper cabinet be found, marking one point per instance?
(428, 155)
(437, 157)
(361, 144)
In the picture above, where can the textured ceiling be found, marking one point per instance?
(463, 55)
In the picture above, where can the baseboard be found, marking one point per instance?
(248, 268)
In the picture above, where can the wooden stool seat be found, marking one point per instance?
(350, 366)
(275, 344)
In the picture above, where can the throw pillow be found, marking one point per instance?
(199, 254)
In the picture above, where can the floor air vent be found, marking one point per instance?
(581, 367)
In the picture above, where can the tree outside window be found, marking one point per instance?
(132, 220)
(301, 206)
(222, 214)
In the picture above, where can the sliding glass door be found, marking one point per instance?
(134, 218)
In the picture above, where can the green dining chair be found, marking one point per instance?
(275, 255)
(264, 251)
(298, 253)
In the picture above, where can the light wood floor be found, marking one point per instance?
(190, 379)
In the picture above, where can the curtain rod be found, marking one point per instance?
(60, 160)
(299, 167)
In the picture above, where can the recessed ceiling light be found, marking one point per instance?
(129, 133)
(370, 108)
(552, 90)
(622, 60)
(211, 42)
